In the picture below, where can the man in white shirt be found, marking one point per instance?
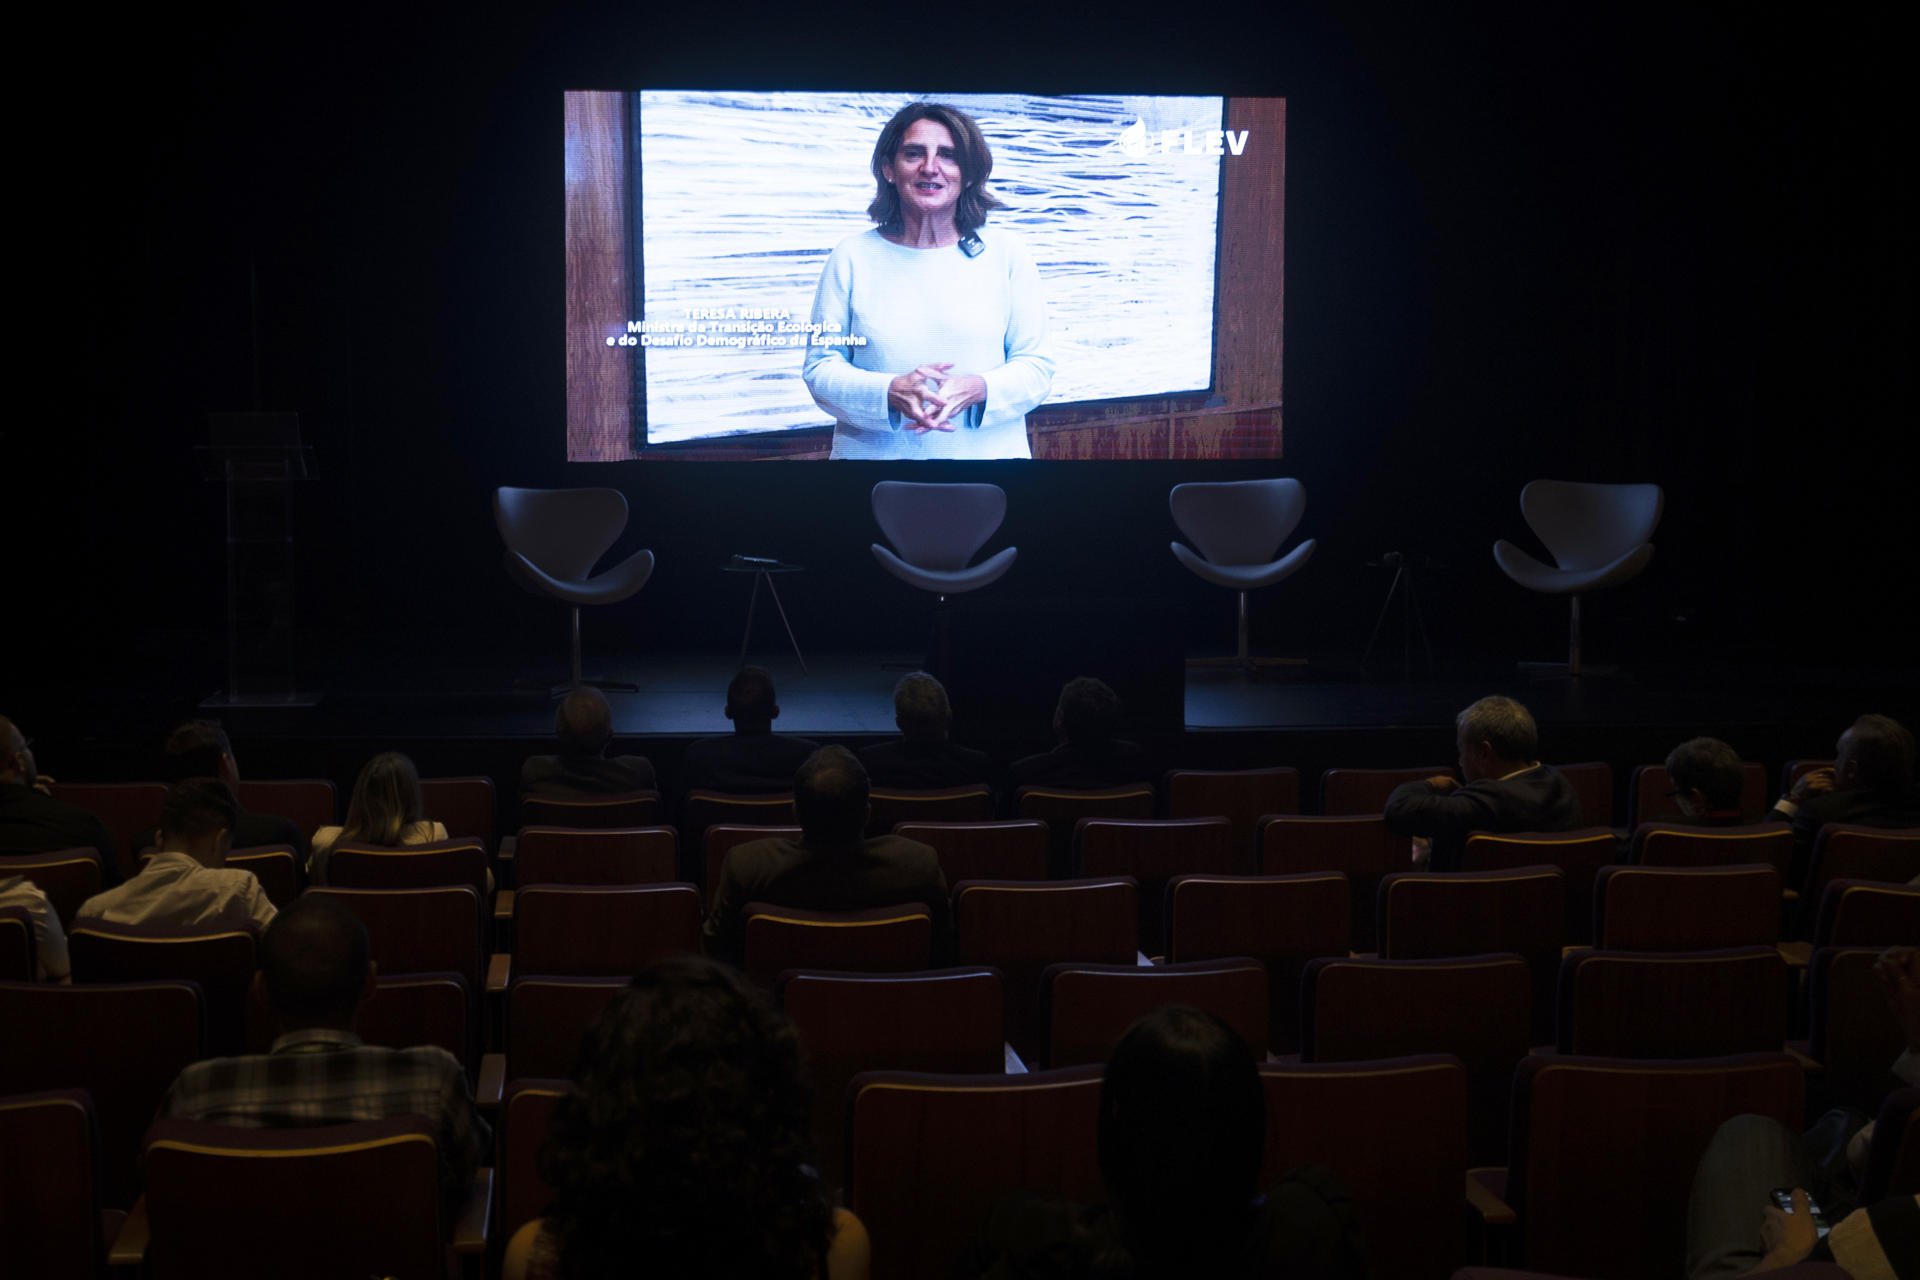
(49, 940)
(187, 885)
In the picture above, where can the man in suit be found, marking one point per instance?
(1506, 789)
(1087, 757)
(1870, 783)
(201, 749)
(1707, 778)
(923, 758)
(753, 758)
(582, 727)
(831, 867)
(32, 821)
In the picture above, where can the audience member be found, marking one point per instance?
(187, 884)
(753, 758)
(582, 728)
(1088, 756)
(922, 757)
(49, 939)
(32, 821)
(683, 1147)
(1182, 1125)
(831, 867)
(1708, 777)
(1733, 1228)
(1871, 783)
(1506, 789)
(200, 749)
(314, 973)
(385, 810)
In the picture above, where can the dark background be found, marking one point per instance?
(1624, 244)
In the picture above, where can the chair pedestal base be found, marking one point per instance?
(1242, 658)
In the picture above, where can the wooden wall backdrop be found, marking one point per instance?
(599, 377)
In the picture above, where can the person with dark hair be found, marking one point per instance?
(1707, 777)
(582, 728)
(384, 810)
(923, 757)
(314, 973)
(683, 1148)
(1506, 789)
(931, 336)
(32, 821)
(753, 757)
(188, 884)
(1871, 783)
(1182, 1126)
(200, 749)
(831, 867)
(1087, 755)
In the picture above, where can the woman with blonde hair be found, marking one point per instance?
(384, 810)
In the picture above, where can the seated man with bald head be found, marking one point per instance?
(1506, 789)
(832, 866)
(582, 728)
(314, 973)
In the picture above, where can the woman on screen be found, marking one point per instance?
(950, 311)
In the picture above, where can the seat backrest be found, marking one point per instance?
(1648, 801)
(19, 951)
(562, 531)
(928, 1155)
(1629, 1135)
(1394, 1133)
(603, 856)
(227, 1201)
(128, 810)
(1014, 850)
(526, 1117)
(309, 803)
(1592, 781)
(1580, 854)
(1477, 1008)
(1686, 908)
(625, 809)
(1241, 796)
(720, 839)
(49, 1198)
(408, 1009)
(1020, 927)
(1061, 808)
(1850, 1032)
(546, 1018)
(940, 1020)
(1238, 522)
(1586, 526)
(891, 939)
(705, 809)
(893, 805)
(1281, 921)
(1672, 1004)
(602, 930)
(275, 866)
(938, 526)
(83, 1037)
(219, 961)
(1359, 846)
(413, 866)
(434, 930)
(1658, 844)
(1365, 791)
(1844, 851)
(1153, 851)
(464, 806)
(1867, 913)
(1090, 1006)
(68, 877)
(1427, 915)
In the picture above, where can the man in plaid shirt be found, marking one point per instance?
(315, 969)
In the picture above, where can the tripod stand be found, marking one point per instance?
(1403, 566)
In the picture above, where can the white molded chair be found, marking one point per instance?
(1238, 526)
(554, 538)
(935, 529)
(1597, 535)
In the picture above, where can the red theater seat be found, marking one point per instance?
(1015, 850)
(1241, 796)
(1153, 851)
(877, 940)
(1281, 921)
(1673, 1004)
(1090, 1006)
(624, 809)
(1686, 908)
(597, 856)
(1357, 846)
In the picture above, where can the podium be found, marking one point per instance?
(258, 457)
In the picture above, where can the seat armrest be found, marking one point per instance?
(499, 970)
(470, 1230)
(1481, 1197)
(1808, 1063)
(129, 1247)
(503, 907)
(492, 1085)
(1798, 955)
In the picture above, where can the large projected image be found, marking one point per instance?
(891, 275)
